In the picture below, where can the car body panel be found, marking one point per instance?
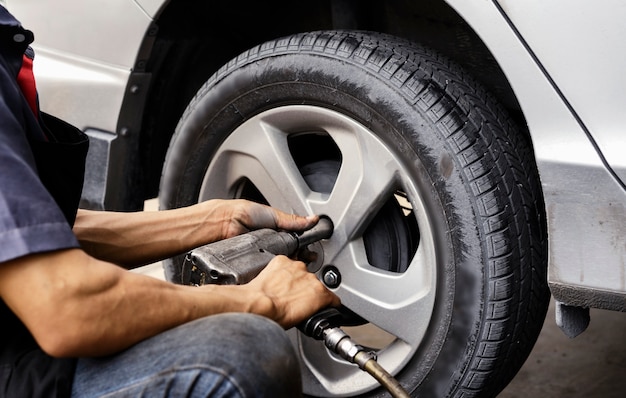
(63, 89)
(572, 43)
(82, 73)
(150, 7)
(109, 33)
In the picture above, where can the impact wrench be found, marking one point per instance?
(238, 260)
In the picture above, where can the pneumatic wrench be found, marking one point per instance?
(238, 260)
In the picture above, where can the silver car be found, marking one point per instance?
(470, 154)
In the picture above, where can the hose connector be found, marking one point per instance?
(325, 326)
(337, 341)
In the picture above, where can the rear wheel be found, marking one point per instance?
(439, 227)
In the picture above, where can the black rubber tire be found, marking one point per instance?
(474, 168)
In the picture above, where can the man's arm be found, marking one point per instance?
(75, 305)
(134, 239)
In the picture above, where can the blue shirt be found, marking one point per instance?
(30, 219)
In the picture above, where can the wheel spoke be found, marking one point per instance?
(258, 151)
(384, 297)
(367, 178)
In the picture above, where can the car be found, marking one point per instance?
(469, 154)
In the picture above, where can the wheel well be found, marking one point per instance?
(191, 40)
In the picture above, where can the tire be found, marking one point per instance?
(439, 222)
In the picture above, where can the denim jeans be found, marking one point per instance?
(226, 355)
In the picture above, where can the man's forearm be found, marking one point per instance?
(134, 239)
(80, 306)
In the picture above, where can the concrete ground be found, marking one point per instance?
(592, 365)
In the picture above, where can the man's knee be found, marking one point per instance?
(248, 354)
(254, 350)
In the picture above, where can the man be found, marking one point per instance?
(74, 322)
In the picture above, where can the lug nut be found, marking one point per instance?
(331, 277)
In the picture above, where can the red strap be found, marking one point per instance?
(26, 81)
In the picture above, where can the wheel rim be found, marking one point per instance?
(396, 299)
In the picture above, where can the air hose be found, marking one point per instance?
(321, 326)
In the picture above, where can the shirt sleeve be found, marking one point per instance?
(30, 220)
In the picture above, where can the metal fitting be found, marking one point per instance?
(331, 276)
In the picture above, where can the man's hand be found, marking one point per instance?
(289, 293)
(243, 216)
